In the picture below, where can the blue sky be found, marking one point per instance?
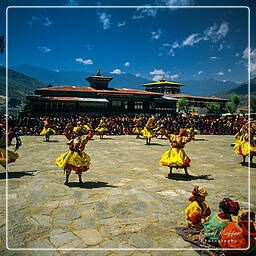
(176, 44)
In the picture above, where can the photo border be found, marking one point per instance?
(125, 7)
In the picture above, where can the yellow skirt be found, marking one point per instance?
(175, 157)
(101, 129)
(47, 131)
(243, 148)
(77, 161)
(12, 156)
(147, 133)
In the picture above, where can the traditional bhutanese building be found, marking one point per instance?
(99, 98)
(172, 90)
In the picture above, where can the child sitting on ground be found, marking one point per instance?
(198, 209)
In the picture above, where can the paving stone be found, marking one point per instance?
(62, 238)
(89, 236)
(39, 220)
(141, 241)
(126, 199)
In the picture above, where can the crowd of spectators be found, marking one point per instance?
(119, 125)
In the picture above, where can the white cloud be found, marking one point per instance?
(56, 70)
(215, 34)
(33, 20)
(72, 3)
(199, 72)
(229, 70)
(224, 81)
(44, 49)
(156, 34)
(121, 24)
(237, 54)
(252, 55)
(166, 45)
(117, 71)
(137, 74)
(175, 2)
(104, 19)
(191, 40)
(47, 22)
(214, 58)
(85, 62)
(173, 77)
(127, 64)
(175, 45)
(143, 12)
(157, 72)
(220, 73)
(157, 78)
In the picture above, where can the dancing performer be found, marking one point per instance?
(245, 142)
(12, 156)
(176, 156)
(102, 127)
(160, 128)
(137, 126)
(75, 159)
(47, 131)
(198, 209)
(193, 132)
(81, 129)
(148, 131)
(217, 222)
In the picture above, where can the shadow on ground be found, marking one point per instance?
(90, 185)
(252, 165)
(183, 177)
(155, 144)
(12, 175)
(52, 141)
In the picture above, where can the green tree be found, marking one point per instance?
(235, 100)
(230, 107)
(213, 108)
(183, 105)
(193, 109)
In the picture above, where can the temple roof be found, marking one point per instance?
(195, 97)
(163, 82)
(92, 90)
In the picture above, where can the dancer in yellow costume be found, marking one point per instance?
(198, 210)
(193, 132)
(148, 131)
(245, 142)
(137, 126)
(160, 127)
(81, 129)
(11, 155)
(102, 127)
(176, 156)
(75, 159)
(47, 131)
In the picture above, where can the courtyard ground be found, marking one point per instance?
(126, 200)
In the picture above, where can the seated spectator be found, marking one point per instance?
(216, 222)
(198, 209)
(236, 235)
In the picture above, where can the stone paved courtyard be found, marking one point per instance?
(126, 200)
